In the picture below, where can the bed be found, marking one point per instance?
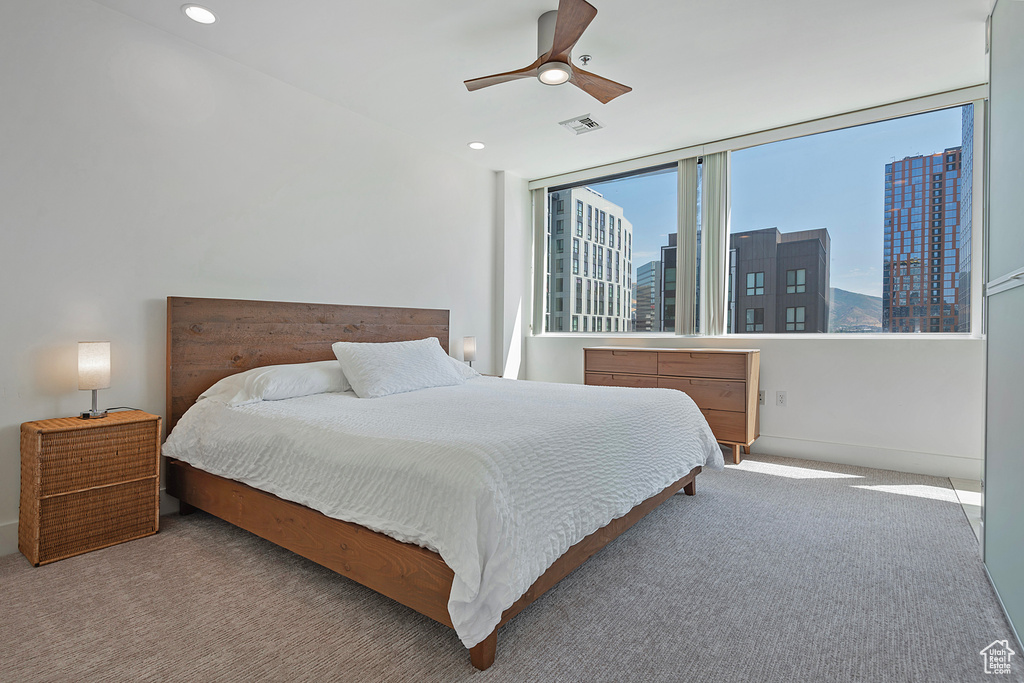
(209, 339)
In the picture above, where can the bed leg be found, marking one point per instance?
(185, 509)
(736, 454)
(691, 488)
(482, 654)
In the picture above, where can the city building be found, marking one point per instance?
(648, 297)
(668, 285)
(666, 290)
(921, 259)
(589, 263)
(966, 208)
(780, 281)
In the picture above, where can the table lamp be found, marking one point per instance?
(93, 372)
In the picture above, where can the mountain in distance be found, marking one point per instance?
(853, 312)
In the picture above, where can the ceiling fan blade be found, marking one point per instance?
(601, 88)
(574, 16)
(494, 79)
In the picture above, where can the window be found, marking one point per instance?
(755, 320)
(755, 284)
(868, 228)
(796, 281)
(867, 236)
(617, 259)
(795, 319)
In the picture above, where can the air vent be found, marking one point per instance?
(581, 124)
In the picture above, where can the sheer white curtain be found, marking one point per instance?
(686, 253)
(540, 250)
(714, 243)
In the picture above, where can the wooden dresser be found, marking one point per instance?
(88, 484)
(722, 382)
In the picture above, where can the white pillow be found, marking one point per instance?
(385, 368)
(465, 369)
(278, 382)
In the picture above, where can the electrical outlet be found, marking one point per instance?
(760, 396)
(780, 399)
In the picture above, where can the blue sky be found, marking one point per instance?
(831, 180)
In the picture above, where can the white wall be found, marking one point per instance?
(136, 166)
(514, 254)
(913, 405)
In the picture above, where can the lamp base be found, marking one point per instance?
(93, 415)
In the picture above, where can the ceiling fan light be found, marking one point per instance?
(553, 73)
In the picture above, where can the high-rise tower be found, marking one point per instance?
(921, 258)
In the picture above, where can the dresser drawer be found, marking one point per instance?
(77, 522)
(618, 380)
(620, 361)
(697, 364)
(75, 460)
(711, 394)
(726, 425)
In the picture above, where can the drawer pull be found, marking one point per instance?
(619, 353)
(700, 356)
(699, 383)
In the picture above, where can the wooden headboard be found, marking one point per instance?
(209, 339)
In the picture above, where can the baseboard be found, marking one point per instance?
(9, 538)
(917, 462)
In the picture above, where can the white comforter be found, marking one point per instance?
(499, 477)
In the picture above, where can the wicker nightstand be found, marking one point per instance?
(88, 484)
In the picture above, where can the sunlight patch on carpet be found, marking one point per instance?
(789, 471)
(918, 490)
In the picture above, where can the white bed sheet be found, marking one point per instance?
(500, 477)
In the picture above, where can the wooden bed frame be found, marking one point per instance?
(209, 339)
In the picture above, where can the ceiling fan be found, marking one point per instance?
(557, 33)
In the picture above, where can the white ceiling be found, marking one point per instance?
(700, 70)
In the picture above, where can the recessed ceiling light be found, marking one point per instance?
(199, 14)
(476, 145)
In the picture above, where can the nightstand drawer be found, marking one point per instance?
(621, 361)
(697, 364)
(710, 393)
(77, 522)
(75, 460)
(618, 380)
(726, 425)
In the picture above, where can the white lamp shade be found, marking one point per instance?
(93, 365)
(469, 348)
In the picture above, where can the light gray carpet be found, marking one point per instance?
(778, 570)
